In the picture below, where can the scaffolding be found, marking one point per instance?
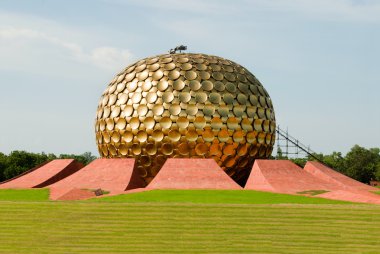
(290, 146)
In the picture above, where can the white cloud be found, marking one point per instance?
(103, 57)
(109, 57)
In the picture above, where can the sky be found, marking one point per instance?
(319, 60)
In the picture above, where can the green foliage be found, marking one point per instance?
(3, 165)
(335, 161)
(361, 163)
(280, 155)
(299, 161)
(377, 172)
(18, 162)
(315, 156)
(84, 158)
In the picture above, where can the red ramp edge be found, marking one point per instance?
(327, 174)
(77, 194)
(26, 172)
(191, 173)
(283, 176)
(112, 175)
(44, 174)
(352, 196)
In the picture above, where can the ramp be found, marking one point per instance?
(327, 174)
(283, 176)
(112, 175)
(77, 194)
(43, 175)
(352, 196)
(192, 174)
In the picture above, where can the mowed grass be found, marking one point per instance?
(24, 195)
(214, 197)
(183, 222)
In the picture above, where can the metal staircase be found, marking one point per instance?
(290, 146)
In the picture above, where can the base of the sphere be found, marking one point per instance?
(149, 166)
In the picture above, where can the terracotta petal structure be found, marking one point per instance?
(327, 174)
(43, 175)
(112, 175)
(283, 176)
(192, 174)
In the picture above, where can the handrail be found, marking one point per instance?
(297, 144)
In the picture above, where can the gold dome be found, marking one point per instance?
(186, 105)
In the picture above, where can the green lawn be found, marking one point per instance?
(24, 195)
(214, 197)
(188, 222)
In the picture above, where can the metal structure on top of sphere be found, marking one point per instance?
(186, 105)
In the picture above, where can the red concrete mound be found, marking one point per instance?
(77, 194)
(352, 196)
(327, 174)
(112, 175)
(43, 175)
(192, 174)
(283, 176)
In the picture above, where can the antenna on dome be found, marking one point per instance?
(178, 48)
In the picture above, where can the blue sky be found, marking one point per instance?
(318, 59)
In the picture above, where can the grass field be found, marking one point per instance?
(24, 195)
(188, 222)
(215, 197)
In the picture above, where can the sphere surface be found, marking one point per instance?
(186, 105)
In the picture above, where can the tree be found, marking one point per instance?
(314, 156)
(3, 165)
(335, 161)
(18, 162)
(361, 164)
(84, 158)
(280, 155)
(377, 172)
(299, 161)
(88, 157)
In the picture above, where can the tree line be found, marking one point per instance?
(359, 163)
(18, 162)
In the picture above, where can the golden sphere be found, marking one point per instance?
(186, 105)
